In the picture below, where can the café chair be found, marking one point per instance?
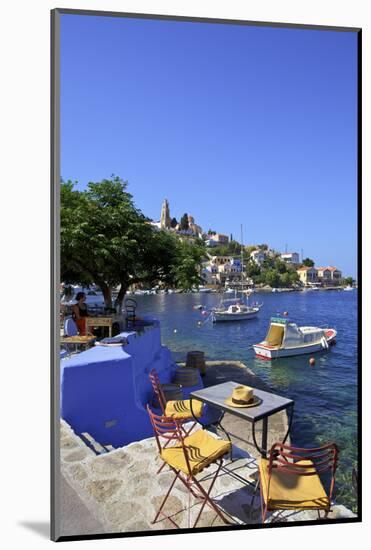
(179, 409)
(187, 457)
(290, 478)
(70, 327)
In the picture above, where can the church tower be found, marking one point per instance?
(165, 215)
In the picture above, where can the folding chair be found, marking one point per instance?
(180, 409)
(187, 457)
(290, 478)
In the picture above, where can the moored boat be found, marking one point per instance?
(285, 339)
(234, 309)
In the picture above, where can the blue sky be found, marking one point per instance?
(232, 124)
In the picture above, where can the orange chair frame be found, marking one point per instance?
(170, 429)
(284, 458)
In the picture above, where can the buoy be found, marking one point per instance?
(199, 323)
(175, 331)
(312, 361)
(285, 313)
(203, 312)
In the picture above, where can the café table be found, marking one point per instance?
(99, 321)
(270, 404)
(83, 341)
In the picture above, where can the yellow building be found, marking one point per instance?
(307, 275)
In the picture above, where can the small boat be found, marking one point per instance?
(348, 288)
(229, 291)
(285, 339)
(234, 309)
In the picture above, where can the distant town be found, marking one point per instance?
(228, 263)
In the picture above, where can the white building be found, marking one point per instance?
(290, 258)
(258, 256)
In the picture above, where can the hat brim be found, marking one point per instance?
(256, 401)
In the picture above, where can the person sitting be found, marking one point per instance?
(80, 312)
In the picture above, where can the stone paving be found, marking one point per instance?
(122, 491)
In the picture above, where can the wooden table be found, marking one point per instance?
(271, 403)
(77, 340)
(99, 322)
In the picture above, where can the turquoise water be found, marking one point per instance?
(325, 395)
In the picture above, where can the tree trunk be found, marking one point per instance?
(106, 293)
(120, 297)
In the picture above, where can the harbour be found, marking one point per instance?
(324, 395)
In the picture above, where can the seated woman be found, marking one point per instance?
(79, 312)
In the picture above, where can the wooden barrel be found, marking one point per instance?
(172, 392)
(186, 376)
(196, 360)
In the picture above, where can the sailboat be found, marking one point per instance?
(236, 309)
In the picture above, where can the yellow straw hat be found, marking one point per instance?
(243, 396)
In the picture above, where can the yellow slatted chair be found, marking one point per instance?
(188, 456)
(290, 478)
(180, 409)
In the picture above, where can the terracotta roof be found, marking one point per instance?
(329, 267)
(305, 268)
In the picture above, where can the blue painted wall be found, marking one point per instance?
(105, 390)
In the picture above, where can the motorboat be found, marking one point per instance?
(285, 338)
(234, 309)
(348, 288)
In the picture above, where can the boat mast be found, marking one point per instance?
(241, 258)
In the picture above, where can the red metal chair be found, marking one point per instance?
(179, 409)
(290, 478)
(187, 457)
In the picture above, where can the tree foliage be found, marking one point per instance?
(308, 262)
(105, 239)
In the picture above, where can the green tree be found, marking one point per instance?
(249, 249)
(173, 223)
(308, 262)
(184, 224)
(272, 278)
(285, 279)
(263, 246)
(106, 240)
(252, 270)
(348, 281)
(186, 270)
(234, 248)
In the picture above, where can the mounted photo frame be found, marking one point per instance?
(206, 284)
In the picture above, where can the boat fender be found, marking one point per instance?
(324, 342)
(312, 361)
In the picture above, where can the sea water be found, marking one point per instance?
(325, 394)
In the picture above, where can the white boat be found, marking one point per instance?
(229, 291)
(285, 339)
(234, 309)
(204, 289)
(348, 288)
